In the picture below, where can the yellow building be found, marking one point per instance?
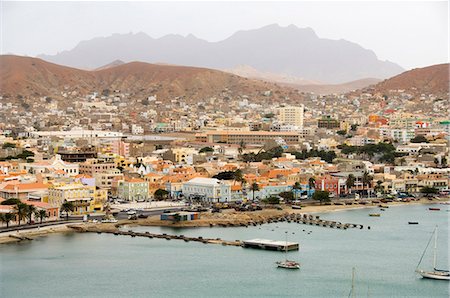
(85, 198)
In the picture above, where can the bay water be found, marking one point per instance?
(93, 265)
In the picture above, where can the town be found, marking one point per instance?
(99, 153)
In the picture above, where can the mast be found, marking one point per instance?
(353, 282)
(286, 248)
(435, 248)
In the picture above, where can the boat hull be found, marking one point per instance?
(434, 275)
(288, 265)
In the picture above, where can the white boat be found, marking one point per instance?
(287, 264)
(435, 273)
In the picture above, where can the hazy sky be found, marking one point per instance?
(412, 34)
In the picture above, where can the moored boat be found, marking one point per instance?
(434, 209)
(286, 264)
(413, 222)
(438, 274)
(375, 214)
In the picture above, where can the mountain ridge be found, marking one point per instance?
(284, 50)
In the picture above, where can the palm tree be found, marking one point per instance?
(378, 187)
(311, 184)
(7, 218)
(296, 186)
(41, 214)
(366, 179)
(67, 207)
(350, 182)
(30, 211)
(254, 187)
(238, 176)
(21, 211)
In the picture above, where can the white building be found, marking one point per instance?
(207, 189)
(55, 164)
(292, 115)
(137, 129)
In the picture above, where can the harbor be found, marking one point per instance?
(327, 256)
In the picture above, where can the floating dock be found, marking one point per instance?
(270, 244)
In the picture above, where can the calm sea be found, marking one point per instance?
(93, 265)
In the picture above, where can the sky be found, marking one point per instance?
(410, 33)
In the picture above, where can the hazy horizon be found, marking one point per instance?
(411, 34)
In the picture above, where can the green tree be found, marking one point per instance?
(296, 187)
(341, 132)
(226, 175)
(321, 196)
(67, 207)
(8, 145)
(273, 200)
(350, 182)
(254, 188)
(366, 179)
(427, 191)
(11, 201)
(238, 176)
(379, 187)
(161, 194)
(206, 149)
(21, 211)
(7, 218)
(30, 211)
(288, 196)
(311, 183)
(419, 139)
(41, 214)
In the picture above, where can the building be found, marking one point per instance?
(14, 189)
(85, 198)
(292, 115)
(249, 137)
(55, 164)
(121, 148)
(105, 179)
(328, 123)
(207, 189)
(92, 167)
(132, 189)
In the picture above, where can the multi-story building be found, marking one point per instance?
(292, 115)
(328, 123)
(132, 189)
(249, 137)
(81, 196)
(105, 179)
(92, 166)
(207, 189)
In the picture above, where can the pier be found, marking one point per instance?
(270, 244)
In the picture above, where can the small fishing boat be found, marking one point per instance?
(382, 209)
(434, 209)
(375, 214)
(435, 273)
(413, 222)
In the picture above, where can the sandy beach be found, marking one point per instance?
(225, 218)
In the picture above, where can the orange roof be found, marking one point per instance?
(236, 187)
(135, 180)
(39, 204)
(83, 176)
(25, 186)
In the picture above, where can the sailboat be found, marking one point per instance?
(286, 264)
(436, 273)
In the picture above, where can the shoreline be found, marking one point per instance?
(227, 218)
